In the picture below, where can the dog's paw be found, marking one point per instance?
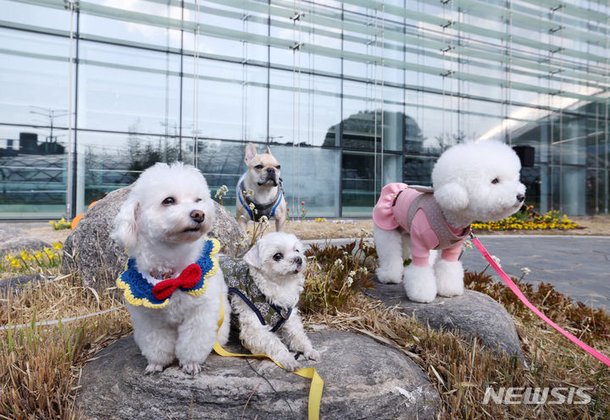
(385, 275)
(420, 284)
(190, 368)
(449, 278)
(153, 368)
(289, 363)
(312, 355)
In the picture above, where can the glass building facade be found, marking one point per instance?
(349, 95)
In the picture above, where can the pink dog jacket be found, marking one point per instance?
(419, 215)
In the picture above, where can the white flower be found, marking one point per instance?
(352, 273)
(252, 206)
(496, 260)
(264, 220)
(525, 271)
(221, 192)
(349, 281)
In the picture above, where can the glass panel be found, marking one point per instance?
(130, 30)
(33, 79)
(32, 172)
(231, 104)
(361, 180)
(304, 109)
(21, 14)
(127, 89)
(109, 161)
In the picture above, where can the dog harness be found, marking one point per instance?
(242, 286)
(260, 210)
(140, 292)
(418, 214)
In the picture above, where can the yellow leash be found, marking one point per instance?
(317, 383)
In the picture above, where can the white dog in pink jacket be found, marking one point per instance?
(471, 182)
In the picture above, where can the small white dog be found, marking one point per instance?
(173, 286)
(264, 300)
(471, 182)
(259, 190)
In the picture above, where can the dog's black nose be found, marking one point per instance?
(520, 197)
(198, 216)
(298, 261)
(270, 171)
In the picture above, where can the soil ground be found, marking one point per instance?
(349, 228)
(346, 228)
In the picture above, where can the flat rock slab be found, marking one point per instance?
(13, 240)
(363, 379)
(473, 314)
(16, 283)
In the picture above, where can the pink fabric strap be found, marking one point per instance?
(593, 352)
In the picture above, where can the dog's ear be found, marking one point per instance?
(125, 230)
(250, 152)
(452, 196)
(253, 258)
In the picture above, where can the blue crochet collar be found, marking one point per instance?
(138, 291)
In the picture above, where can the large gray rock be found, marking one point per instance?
(473, 315)
(91, 254)
(13, 240)
(363, 379)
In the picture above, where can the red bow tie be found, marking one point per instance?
(186, 280)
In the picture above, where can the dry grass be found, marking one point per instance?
(40, 366)
(462, 369)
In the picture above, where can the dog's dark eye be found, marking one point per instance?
(169, 201)
(198, 200)
(495, 180)
(278, 256)
(278, 167)
(258, 167)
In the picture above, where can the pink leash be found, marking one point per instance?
(599, 356)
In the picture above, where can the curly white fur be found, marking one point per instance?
(163, 225)
(472, 182)
(281, 280)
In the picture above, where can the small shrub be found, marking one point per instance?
(39, 261)
(592, 323)
(528, 219)
(335, 274)
(60, 224)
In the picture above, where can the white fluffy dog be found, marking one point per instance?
(264, 300)
(173, 286)
(471, 182)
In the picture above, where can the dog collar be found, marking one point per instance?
(139, 292)
(266, 209)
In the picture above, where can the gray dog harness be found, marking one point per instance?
(242, 286)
